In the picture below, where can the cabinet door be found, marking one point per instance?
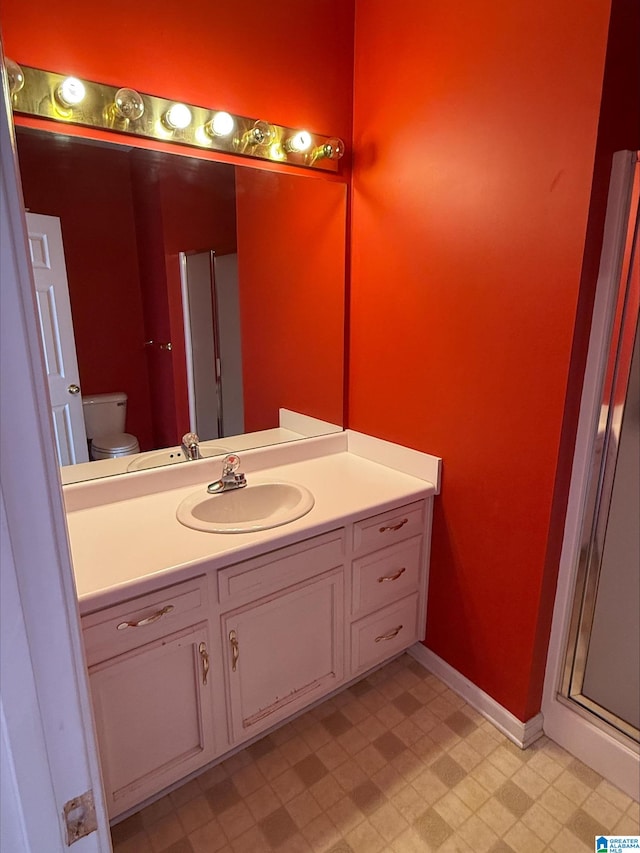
(283, 652)
(154, 718)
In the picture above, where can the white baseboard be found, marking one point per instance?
(522, 734)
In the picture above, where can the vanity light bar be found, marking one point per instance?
(49, 95)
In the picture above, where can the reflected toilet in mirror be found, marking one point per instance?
(105, 416)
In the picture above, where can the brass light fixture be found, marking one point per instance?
(46, 94)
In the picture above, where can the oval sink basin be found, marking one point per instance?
(257, 506)
(170, 457)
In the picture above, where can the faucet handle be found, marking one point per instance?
(230, 464)
(189, 439)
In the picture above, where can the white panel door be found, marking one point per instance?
(56, 328)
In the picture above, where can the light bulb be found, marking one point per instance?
(333, 149)
(15, 76)
(128, 104)
(177, 117)
(222, 124)
(262, 133)
(300, 141)
(70, 92)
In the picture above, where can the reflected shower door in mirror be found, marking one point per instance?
(128, 215)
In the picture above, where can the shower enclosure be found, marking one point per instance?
(591, 701)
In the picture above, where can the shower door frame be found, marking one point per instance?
(571, 725)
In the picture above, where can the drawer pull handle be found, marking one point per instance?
(395, 526)
(149, 619)
(390, 635)
(393, 577)
(204, 657)
(235, 650)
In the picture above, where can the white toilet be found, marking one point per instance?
(104, 419)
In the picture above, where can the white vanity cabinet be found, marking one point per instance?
(388, 583)
(283, 629)
(151, 686)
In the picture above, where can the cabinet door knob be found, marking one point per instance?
(394, 526)
(235, 650)
(390, 635)
(393, 577)
(204, 657)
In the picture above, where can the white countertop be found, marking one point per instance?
(134, 543)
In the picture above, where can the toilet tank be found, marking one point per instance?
(104, 413)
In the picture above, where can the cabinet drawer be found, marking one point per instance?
(389, 527)
(385, 576)
(279, 569)
(384, 633)
(141, 620)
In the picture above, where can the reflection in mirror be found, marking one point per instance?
(133, 223)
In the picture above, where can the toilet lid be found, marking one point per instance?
(115, 442)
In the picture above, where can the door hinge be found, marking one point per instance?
(80, 817)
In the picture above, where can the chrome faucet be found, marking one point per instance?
(191, 446)
(231, 478)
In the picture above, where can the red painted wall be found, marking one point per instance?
(475, 137)
(291, 291)
(279, 61)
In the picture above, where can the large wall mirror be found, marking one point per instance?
(191, 280)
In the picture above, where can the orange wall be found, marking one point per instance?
(475, 137)
(291, 291)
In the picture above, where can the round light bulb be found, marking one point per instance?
(333, 149)
(262, 133)
(15, 76)
(71, 92)
(299, 141)
(178, 116)
(129, 104)
(222, 124)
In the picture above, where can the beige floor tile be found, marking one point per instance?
(530, 781)
(165, 832)
(627, 825)
(303, 809)
(557, 804)
(603, 811)
(345, 815)
(521, 839)
(388, 821)
(322, 834)
(543, 824)
(489, 776)
(287, 785)
(472, 793)
(452, 809)
(395, 764)
(195, 813)
(497, 816)
(614, 795)
(566, 841)
(138, 843)
(572, 787)
(249, 842)
(208, 838)
(409, 841)
(236, 820)
(262, 802)
(478, 834)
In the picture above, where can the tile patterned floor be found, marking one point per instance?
(395, 764)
